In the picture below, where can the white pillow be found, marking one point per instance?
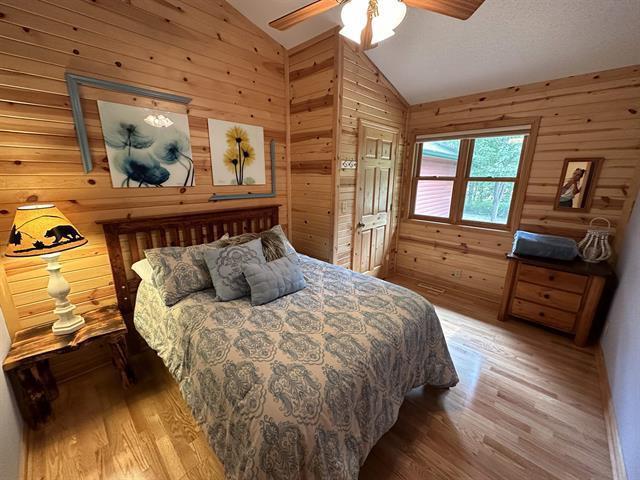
(144, 270)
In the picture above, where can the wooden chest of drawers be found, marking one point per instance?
(559, 295)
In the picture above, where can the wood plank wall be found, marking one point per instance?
(312, 78)
(365, 94)
(593, 115)
(332, 86)
(201, 49)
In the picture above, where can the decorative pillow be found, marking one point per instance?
(273, 242)
(144, 270)
(272, 245)
(179, 271)
(226, 264)
(288, 248)
(273, 280)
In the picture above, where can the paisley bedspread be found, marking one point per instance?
(302, 387)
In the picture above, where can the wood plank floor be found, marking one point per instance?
(528, 407)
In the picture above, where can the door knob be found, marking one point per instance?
(360, 225)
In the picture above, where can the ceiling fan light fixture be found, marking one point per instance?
(352, 34)
(391, 12)
(381, 30)
(354, 16)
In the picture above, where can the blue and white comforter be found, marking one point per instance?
(302, 387)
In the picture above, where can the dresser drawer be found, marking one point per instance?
(552, 278)
(549, 297)
(551, 317)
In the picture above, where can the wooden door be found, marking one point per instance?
(374, 191)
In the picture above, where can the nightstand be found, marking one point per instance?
(560, 295)
(27, 363)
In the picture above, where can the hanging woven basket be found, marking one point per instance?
(594, 247)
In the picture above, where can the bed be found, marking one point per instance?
(302, 387)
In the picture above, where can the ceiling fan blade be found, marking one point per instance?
(461, 9)
(302, 13)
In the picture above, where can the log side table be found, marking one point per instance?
(27, 363)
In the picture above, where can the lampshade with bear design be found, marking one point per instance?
(41, 229)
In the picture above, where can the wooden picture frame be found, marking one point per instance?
(586, 184)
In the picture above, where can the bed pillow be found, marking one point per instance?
(288, 248)
(273, 280)
(180, 271)
(226, 264)
(274, 242)
(144, 270)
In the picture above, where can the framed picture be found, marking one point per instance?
(237, 153)
(577, 184)
(146, 147)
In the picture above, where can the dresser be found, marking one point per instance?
(561, 295)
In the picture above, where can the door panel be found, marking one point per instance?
(366, 249)
(374, 191)
(386, 150)
(368, 207)
(378, 253)
(383, 189)
(371, 148)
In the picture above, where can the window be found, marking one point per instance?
(468, 178)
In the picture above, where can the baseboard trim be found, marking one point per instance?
(613, 437)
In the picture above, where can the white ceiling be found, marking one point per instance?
(506, 42)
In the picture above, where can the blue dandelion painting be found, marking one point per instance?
(146, 147)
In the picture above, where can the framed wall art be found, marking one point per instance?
(146, 147)
(577, 184)
(237, 153)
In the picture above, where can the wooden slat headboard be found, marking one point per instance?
(128, 238)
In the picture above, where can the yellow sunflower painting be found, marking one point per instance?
(237, 152)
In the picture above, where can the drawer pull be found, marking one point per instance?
(547, 296)
(552, 278)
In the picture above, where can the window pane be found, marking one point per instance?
(439, 158)
(488, 202)
(496, 156)
(433, 198)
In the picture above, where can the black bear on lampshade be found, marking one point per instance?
(63, 231)
(42, 230)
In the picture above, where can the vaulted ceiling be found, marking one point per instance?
(506, 42)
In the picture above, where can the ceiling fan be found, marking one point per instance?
(368, 22)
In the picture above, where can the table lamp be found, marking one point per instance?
(42, 230)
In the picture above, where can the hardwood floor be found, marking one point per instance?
(528, 406)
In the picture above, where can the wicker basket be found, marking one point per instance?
(594, 247)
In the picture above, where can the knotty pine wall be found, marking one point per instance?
(593, 115)
(333, 85)
(312, 95)
(365, 94)
(197, 48)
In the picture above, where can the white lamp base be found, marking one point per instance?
(65, 327)
(59, 288)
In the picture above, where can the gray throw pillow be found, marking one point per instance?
(226, 264)
(180, 271)
(273, 280)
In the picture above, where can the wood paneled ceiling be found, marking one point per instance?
(506, 42)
